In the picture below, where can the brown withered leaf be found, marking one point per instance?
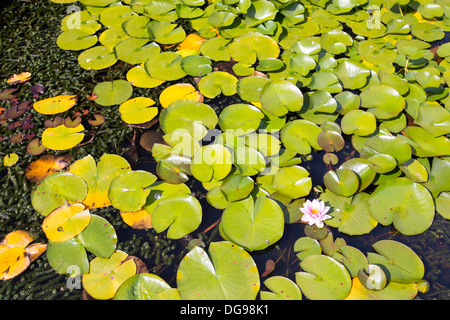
(46, 165)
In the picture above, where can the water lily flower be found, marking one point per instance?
(314, 212)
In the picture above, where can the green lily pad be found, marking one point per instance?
(251, 46)
(196, 66)
(343, 182)
(253, 224)
(353, 259)
(138, 110)
(215, 49)
(211, 162)
(115, 16)
(270, 64)
(440, 168)
(56, 190)
(415, 170)
(139, 77)
(228, 272)
(374, 278)
(190, 116)
(128, 191)
(349, 214)
(362, 167)
(383, 101)
(326, 81)
(320, 107)
(281, 288)
(113, 92)
(300, 136)
(336, 41)
(393, 146)
(443, 204)
(77, 39)
(433, 118)
(79, 19)
(236, 187)
(323, 278)
(106, 275)
(146, 286)
(174, 168)
(217, 82)
(280, 97)
(249, 88)
(135, 51)
(242, 117)
(137, 27)
(306, 246)
(165, 32)
(427, 31)
(179, 213)
(424, 144)
(402, 263)
(99, 238)
(165, 66)
(292, 181)
(111, 37)
(406, 204)
(352, 74)
(359, 122)
(248, 161)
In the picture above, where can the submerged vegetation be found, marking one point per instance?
(271, 149)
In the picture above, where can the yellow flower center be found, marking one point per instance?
(314, 211)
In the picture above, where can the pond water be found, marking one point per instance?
(162, 255)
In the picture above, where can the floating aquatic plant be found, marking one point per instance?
(379, 86)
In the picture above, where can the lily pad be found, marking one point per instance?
(217, 82)
(106, 275)
(352, 74)
(112, 93)
(62, 137)
(323, 278)
(98, 177)
(211, 162)
(138, 110)
(193, 117)
(165, 32)
(349, 214)
(240, 116)
(129, 190)
(402, 263)
(165, 66)
(196, 66)
(280, 97)
(406, 204)
(56, 190)
(228, 272)
(301, 136)
(281, 288)
(359, 122)
(253, 224)
(251, 46)
(77, 39)
(55, 105)
(135, 51)
(139, 77)
(66, 222)
(179, 213)
(145, 286)
(97, 58)
(343, 182)
(306, 246)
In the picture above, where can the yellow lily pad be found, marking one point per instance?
(62, 137)
(10, 159)
(138, 110)
(19, 78)
(15, 256)
(66, 222)
(177, 92)
(98, 177)
(138, 77)
(56, 104)
(138, 220)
